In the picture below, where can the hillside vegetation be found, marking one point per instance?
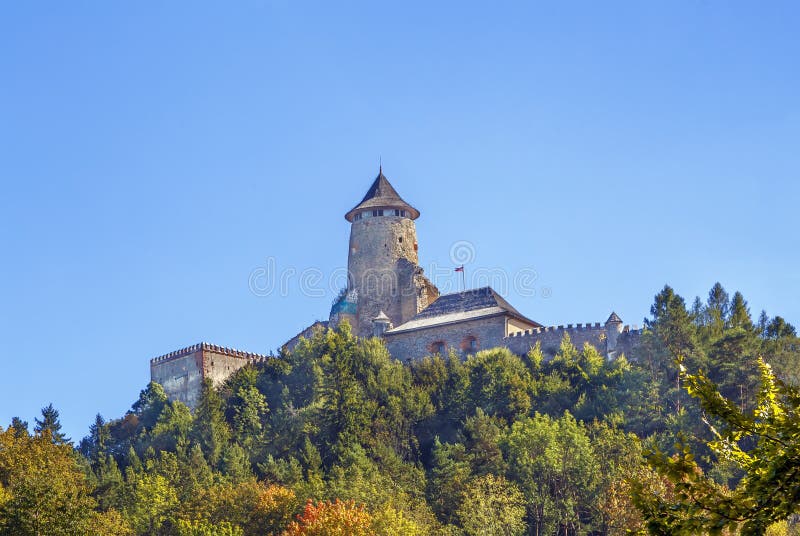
(336, 437)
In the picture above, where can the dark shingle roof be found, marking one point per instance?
(614, 318)
(468, 300)
(382, 195)
(462, 306)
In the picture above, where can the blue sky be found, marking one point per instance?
(157, 155)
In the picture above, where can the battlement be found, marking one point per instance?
(204, 346)
(571, 328)
(609, 339)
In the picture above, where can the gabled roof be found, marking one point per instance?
(382, 195)
(462, 306)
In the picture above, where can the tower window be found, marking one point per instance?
(376, 213)
(357, 216)
(400, 239)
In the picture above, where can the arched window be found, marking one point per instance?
(437, 347)
(469, 344)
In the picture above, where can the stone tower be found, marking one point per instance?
(384, 275)
(613, 329)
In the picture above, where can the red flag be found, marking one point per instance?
(460, 268)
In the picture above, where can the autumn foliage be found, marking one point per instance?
(331, 518)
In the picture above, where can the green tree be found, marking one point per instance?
(152, 401)
(553, 462)
(740, 313)
(249, 415)
(778, 328)
(173, 427)
(20, 427)
(492, 506)
(210, 429)
(717, 310)
(50, 424)
(764, 443)
(500, 383)
(150, 501)
(449, 477)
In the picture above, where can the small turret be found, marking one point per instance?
(380, 324)
(613, 329)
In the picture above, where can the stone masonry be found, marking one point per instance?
(181, 373)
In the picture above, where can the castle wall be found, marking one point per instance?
(491, 332)
(580, 334)
(181, 376)
(218, 365)
(181, 373)
(488, 333)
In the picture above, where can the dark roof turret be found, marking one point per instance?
(382, 195)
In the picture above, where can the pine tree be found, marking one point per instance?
(779, 328)
(717, 308)
(740, 313)
(20, 427)
(210, 428)
(50, 424)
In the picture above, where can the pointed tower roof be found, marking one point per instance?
(381, 318)
(614, 319)
(382, 195)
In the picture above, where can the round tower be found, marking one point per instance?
(613, 329)
(382, 259)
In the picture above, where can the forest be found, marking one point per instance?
(697, 433)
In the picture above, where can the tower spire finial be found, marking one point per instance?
(380, 165)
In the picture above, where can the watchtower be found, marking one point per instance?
(382, 263)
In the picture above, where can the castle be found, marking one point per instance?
(388, 296)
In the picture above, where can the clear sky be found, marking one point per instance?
(158, 158)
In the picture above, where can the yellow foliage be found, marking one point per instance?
(778, 529)
(5, 495)
(389, 521)
(44, 490)
(256, 507)
(110, 523)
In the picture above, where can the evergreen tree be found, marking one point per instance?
(778, 328)
(250, 413)
(50, 424)
(717, 309)
(763, 320)
(210, 429)
(20, 427)
(150, 404)
(740, 313)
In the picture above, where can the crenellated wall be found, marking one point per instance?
(181, 373)
(598, 335)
